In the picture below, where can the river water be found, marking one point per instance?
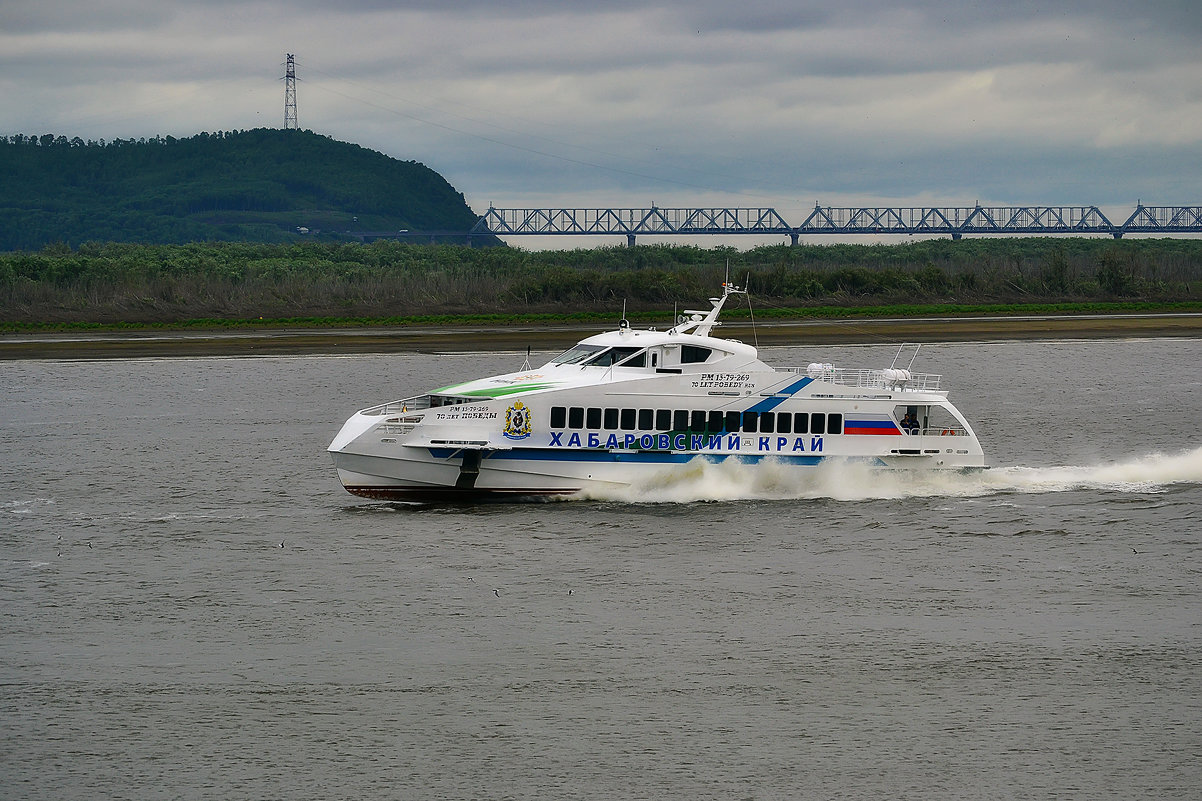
(194, 609)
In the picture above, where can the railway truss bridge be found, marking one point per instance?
(944, 220)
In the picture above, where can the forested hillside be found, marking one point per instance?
(256, 186)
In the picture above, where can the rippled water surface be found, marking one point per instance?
(194, 609)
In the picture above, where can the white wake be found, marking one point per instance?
(702, 480)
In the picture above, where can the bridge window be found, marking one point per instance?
(611, 357)
(637, 360)
(559, 416)
(691, 354)
(576, 355)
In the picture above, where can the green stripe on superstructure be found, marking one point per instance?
(501, 392)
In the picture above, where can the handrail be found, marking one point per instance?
(895, 380)
(414, 404)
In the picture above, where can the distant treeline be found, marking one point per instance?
(260, 185)
(232, 281)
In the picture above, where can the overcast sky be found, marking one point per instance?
(677, 102)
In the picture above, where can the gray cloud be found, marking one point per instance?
(745, 103)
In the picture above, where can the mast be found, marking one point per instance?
(700, 322)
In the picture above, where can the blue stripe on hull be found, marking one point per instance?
(768, 404)
(630, 457)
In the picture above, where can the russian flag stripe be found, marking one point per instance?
(870, 427)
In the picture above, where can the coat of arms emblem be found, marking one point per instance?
(517, 421)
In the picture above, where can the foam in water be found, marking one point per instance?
(703, 480)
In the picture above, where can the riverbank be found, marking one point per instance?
(436, 339)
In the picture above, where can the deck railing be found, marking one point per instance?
(414, 404)
(895, 380)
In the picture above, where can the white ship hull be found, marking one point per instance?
(624, 408)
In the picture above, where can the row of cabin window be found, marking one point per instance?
(699, 422)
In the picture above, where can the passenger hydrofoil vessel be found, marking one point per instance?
(620, 407)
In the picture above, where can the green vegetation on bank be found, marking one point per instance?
(260, 186)
(815, 312)
(389, 283)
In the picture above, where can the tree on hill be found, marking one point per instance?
(259, 185)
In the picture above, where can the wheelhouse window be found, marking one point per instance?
(611, 357)
(577, 354)
(637, 360)
(691, 354)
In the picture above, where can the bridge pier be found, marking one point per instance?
(630, 240)
(793, 239)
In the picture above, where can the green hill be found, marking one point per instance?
(257, 186)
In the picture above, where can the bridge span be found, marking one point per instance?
(942, 220)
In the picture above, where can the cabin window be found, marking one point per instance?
(784, 423)
(817, 423)
(611, 419)
(628, 419)
(637, 360)
(611, 357)
(732, 420)
(680, 420)
(751, 422)
(594, 418)
(801, 423)
(716, 421)
(559, 416)
(663, 420)
(834, 424)
(691, 354)
(767, 422)
(697, 421)
(576, 355)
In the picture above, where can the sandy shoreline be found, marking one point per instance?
(80, 345)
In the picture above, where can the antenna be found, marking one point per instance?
(290, 94)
